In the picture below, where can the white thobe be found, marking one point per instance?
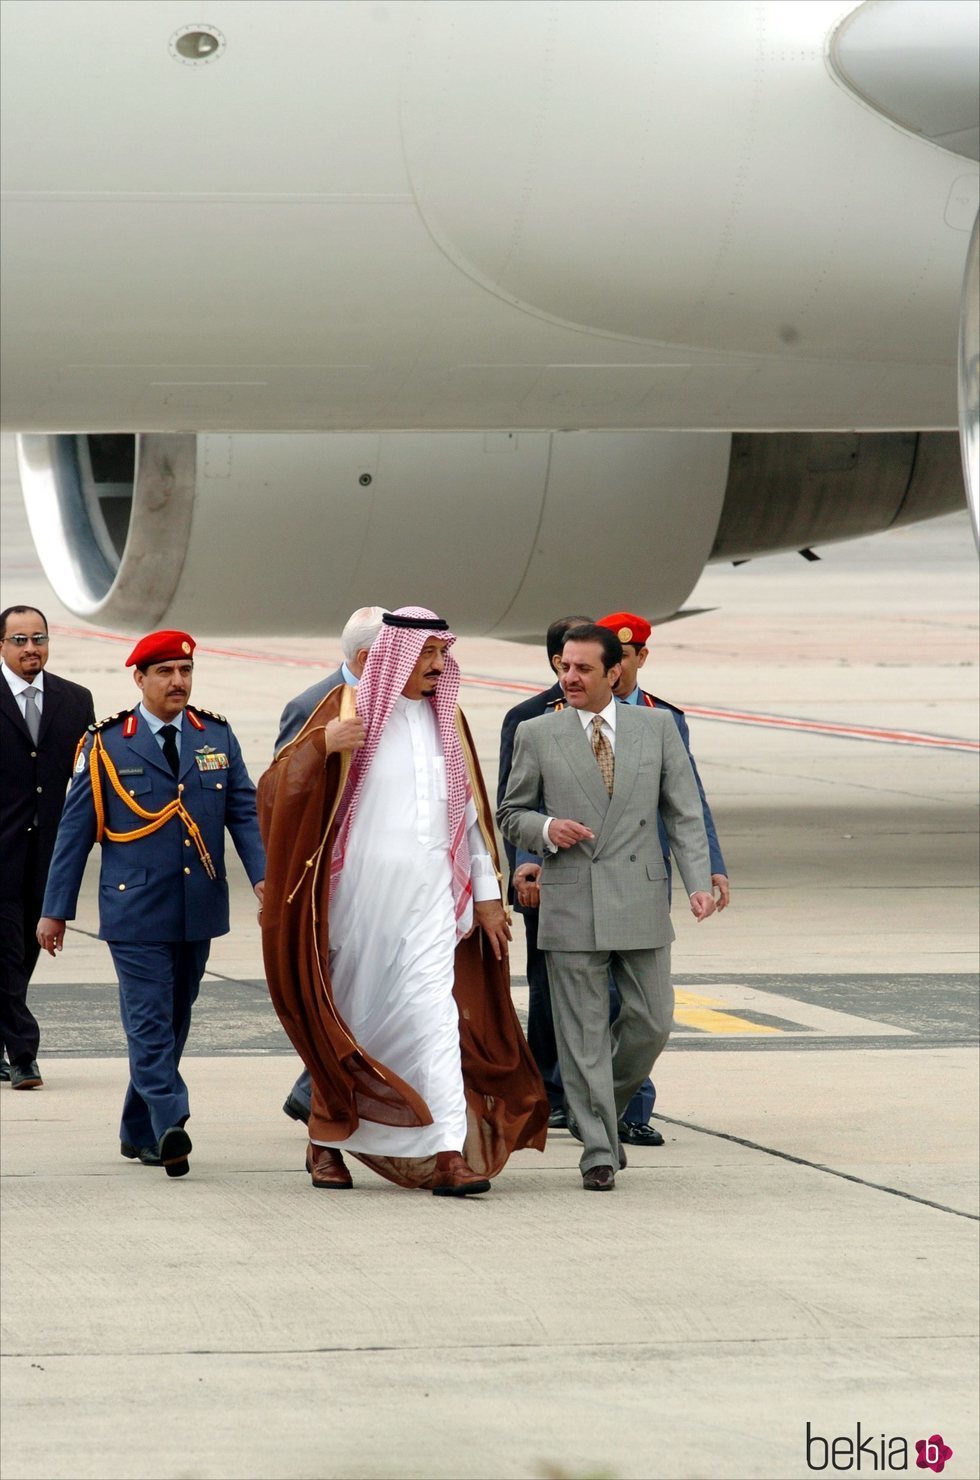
(393, 932)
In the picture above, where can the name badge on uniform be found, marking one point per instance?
(129, 771)
(209, 759)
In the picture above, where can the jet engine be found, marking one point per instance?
(266, 533)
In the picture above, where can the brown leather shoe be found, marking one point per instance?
(455, 1179)
(327, 1168)
(599, 1179)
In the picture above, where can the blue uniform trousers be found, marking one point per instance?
(158, 985)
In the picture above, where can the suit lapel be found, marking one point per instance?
(190, 739)
(624, 776)
(49, 706)
(12, 710)
(578, 753)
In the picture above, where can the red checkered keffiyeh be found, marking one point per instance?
(394, 653)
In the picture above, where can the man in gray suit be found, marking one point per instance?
(362, 628)
(603, 884)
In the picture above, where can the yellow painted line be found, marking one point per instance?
(694, 1011)
(710, 1021)
(695, 999)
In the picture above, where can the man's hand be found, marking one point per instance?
(702, 904)
(344, 734)
(259, 890)
(565, 834)
(723, 894)
(50, 934)
(526, 885)
(490, 916)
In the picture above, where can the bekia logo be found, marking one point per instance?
(873, 1452)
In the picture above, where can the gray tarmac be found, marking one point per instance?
(802, 1251)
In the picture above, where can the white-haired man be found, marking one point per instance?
(361, 628)
(360, 631)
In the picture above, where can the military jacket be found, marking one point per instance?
(157, 887)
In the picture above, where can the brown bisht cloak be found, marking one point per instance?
(507, 1108)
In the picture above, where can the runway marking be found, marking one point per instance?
(817, 1166)
(873, 733)
(708, 1016)
(720, 1015)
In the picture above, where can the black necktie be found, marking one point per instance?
(170, 750)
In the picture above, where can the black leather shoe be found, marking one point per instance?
(639, 1135)
(25, 1076)
(148, 1155)
(4, 1069)
(558, 1120)
(598, 1179)
(296, 1110)
(174, 1149)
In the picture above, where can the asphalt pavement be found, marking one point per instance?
(790, 1278)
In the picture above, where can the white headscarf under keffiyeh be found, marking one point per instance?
(394, 653)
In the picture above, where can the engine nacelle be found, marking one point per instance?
(266, 533)
(499, 530)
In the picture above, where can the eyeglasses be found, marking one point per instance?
(19, 640)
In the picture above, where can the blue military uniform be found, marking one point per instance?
(640, 696)
(163, 891)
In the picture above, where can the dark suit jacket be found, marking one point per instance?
(33, 779)
(527, 709)
(298, 710)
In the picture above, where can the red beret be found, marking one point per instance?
(627, 626)
(161, 647)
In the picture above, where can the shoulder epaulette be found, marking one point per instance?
(554, 706)
(661, 703)
(113, 719)
(210, 714)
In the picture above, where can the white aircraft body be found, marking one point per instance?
(503, 307)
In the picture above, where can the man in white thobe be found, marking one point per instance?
(412, 873)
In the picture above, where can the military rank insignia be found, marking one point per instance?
(209, 759)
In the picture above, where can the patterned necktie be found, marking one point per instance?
(31, 712)
(170, 752)
(603, 753)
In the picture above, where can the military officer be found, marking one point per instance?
(156, 786)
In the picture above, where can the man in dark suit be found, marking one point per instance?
(361, 629)
(42, 720)
(156, 786)
(540, 1023)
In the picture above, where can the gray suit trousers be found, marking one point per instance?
(603, 1066)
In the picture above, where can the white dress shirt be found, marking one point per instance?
(18, 685)
(156, 725)
(608, 716)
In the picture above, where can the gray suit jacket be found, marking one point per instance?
(298, 710)
(610, 893)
